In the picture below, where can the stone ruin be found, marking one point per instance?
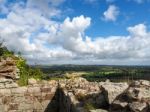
(8, 68)
(70, 95)
(74, 95)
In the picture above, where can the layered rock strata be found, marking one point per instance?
(74, 95)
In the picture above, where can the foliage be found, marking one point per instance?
(101, 72)
(57, 78)
(4, 52)
(89, 106)
(24, 75)
(35, 73)
(26, 72)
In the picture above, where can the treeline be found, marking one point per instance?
(95, 68)
(67, 68)
(101, 72)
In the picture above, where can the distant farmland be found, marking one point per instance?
(100, 72)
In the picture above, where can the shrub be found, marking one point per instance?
(4, 52)
(25, 71)
(35, 73)
(24, 74)
(89, 106)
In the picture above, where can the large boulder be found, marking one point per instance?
(138, 107)
(32, 81)
(112, 90)
(135, 99)
(98, 110)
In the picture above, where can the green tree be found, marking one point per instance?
(4, 51)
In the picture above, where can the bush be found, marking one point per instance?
(35, 73)
(4, 52)
(24, 74)
(89, 106)
(25, 71)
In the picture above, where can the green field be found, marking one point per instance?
(99, 72)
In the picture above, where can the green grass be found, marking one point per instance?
(26, 72)
(89, 106)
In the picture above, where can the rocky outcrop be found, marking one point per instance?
(32, 98)
(80, 92)
(74, 95)
(112, 90)
(8, 68)
(87, 96)
(106, 96)
(98, 110)
(135, 99)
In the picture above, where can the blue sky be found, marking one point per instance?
(77, 31)
(131, 13)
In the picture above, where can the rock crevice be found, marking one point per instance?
(74, 95)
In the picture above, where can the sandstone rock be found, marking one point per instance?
(6, 99)
(98, 110)
(11, 85)
(73, 99)
(145, 82)
(13, 106)
(33, 90)
(10, 61)
(37, 105)
(112, 90)
(52, 82)
(138, 107)
(1, 108)
(80, 92)
(14, 111)
(135, 84)
(5, 92)
(37, 96)
(25, 106)
(19, 99)
(32, 81)
(135, 98)
(53, 89)
(25, 99)
(45, 103)
(4, 80)
(117, 105)
(2, 85)
(19, 90)
(8, 68)
(139, 92)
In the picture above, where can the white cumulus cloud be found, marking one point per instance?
(111, 13)
(43, 40)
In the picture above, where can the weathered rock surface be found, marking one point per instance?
(32, 81)
(8, 68)
(135, 99)
(86, 95)
(99, 110)
(112, 90)
(33, 98)
(74, 95)
(114, 97)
